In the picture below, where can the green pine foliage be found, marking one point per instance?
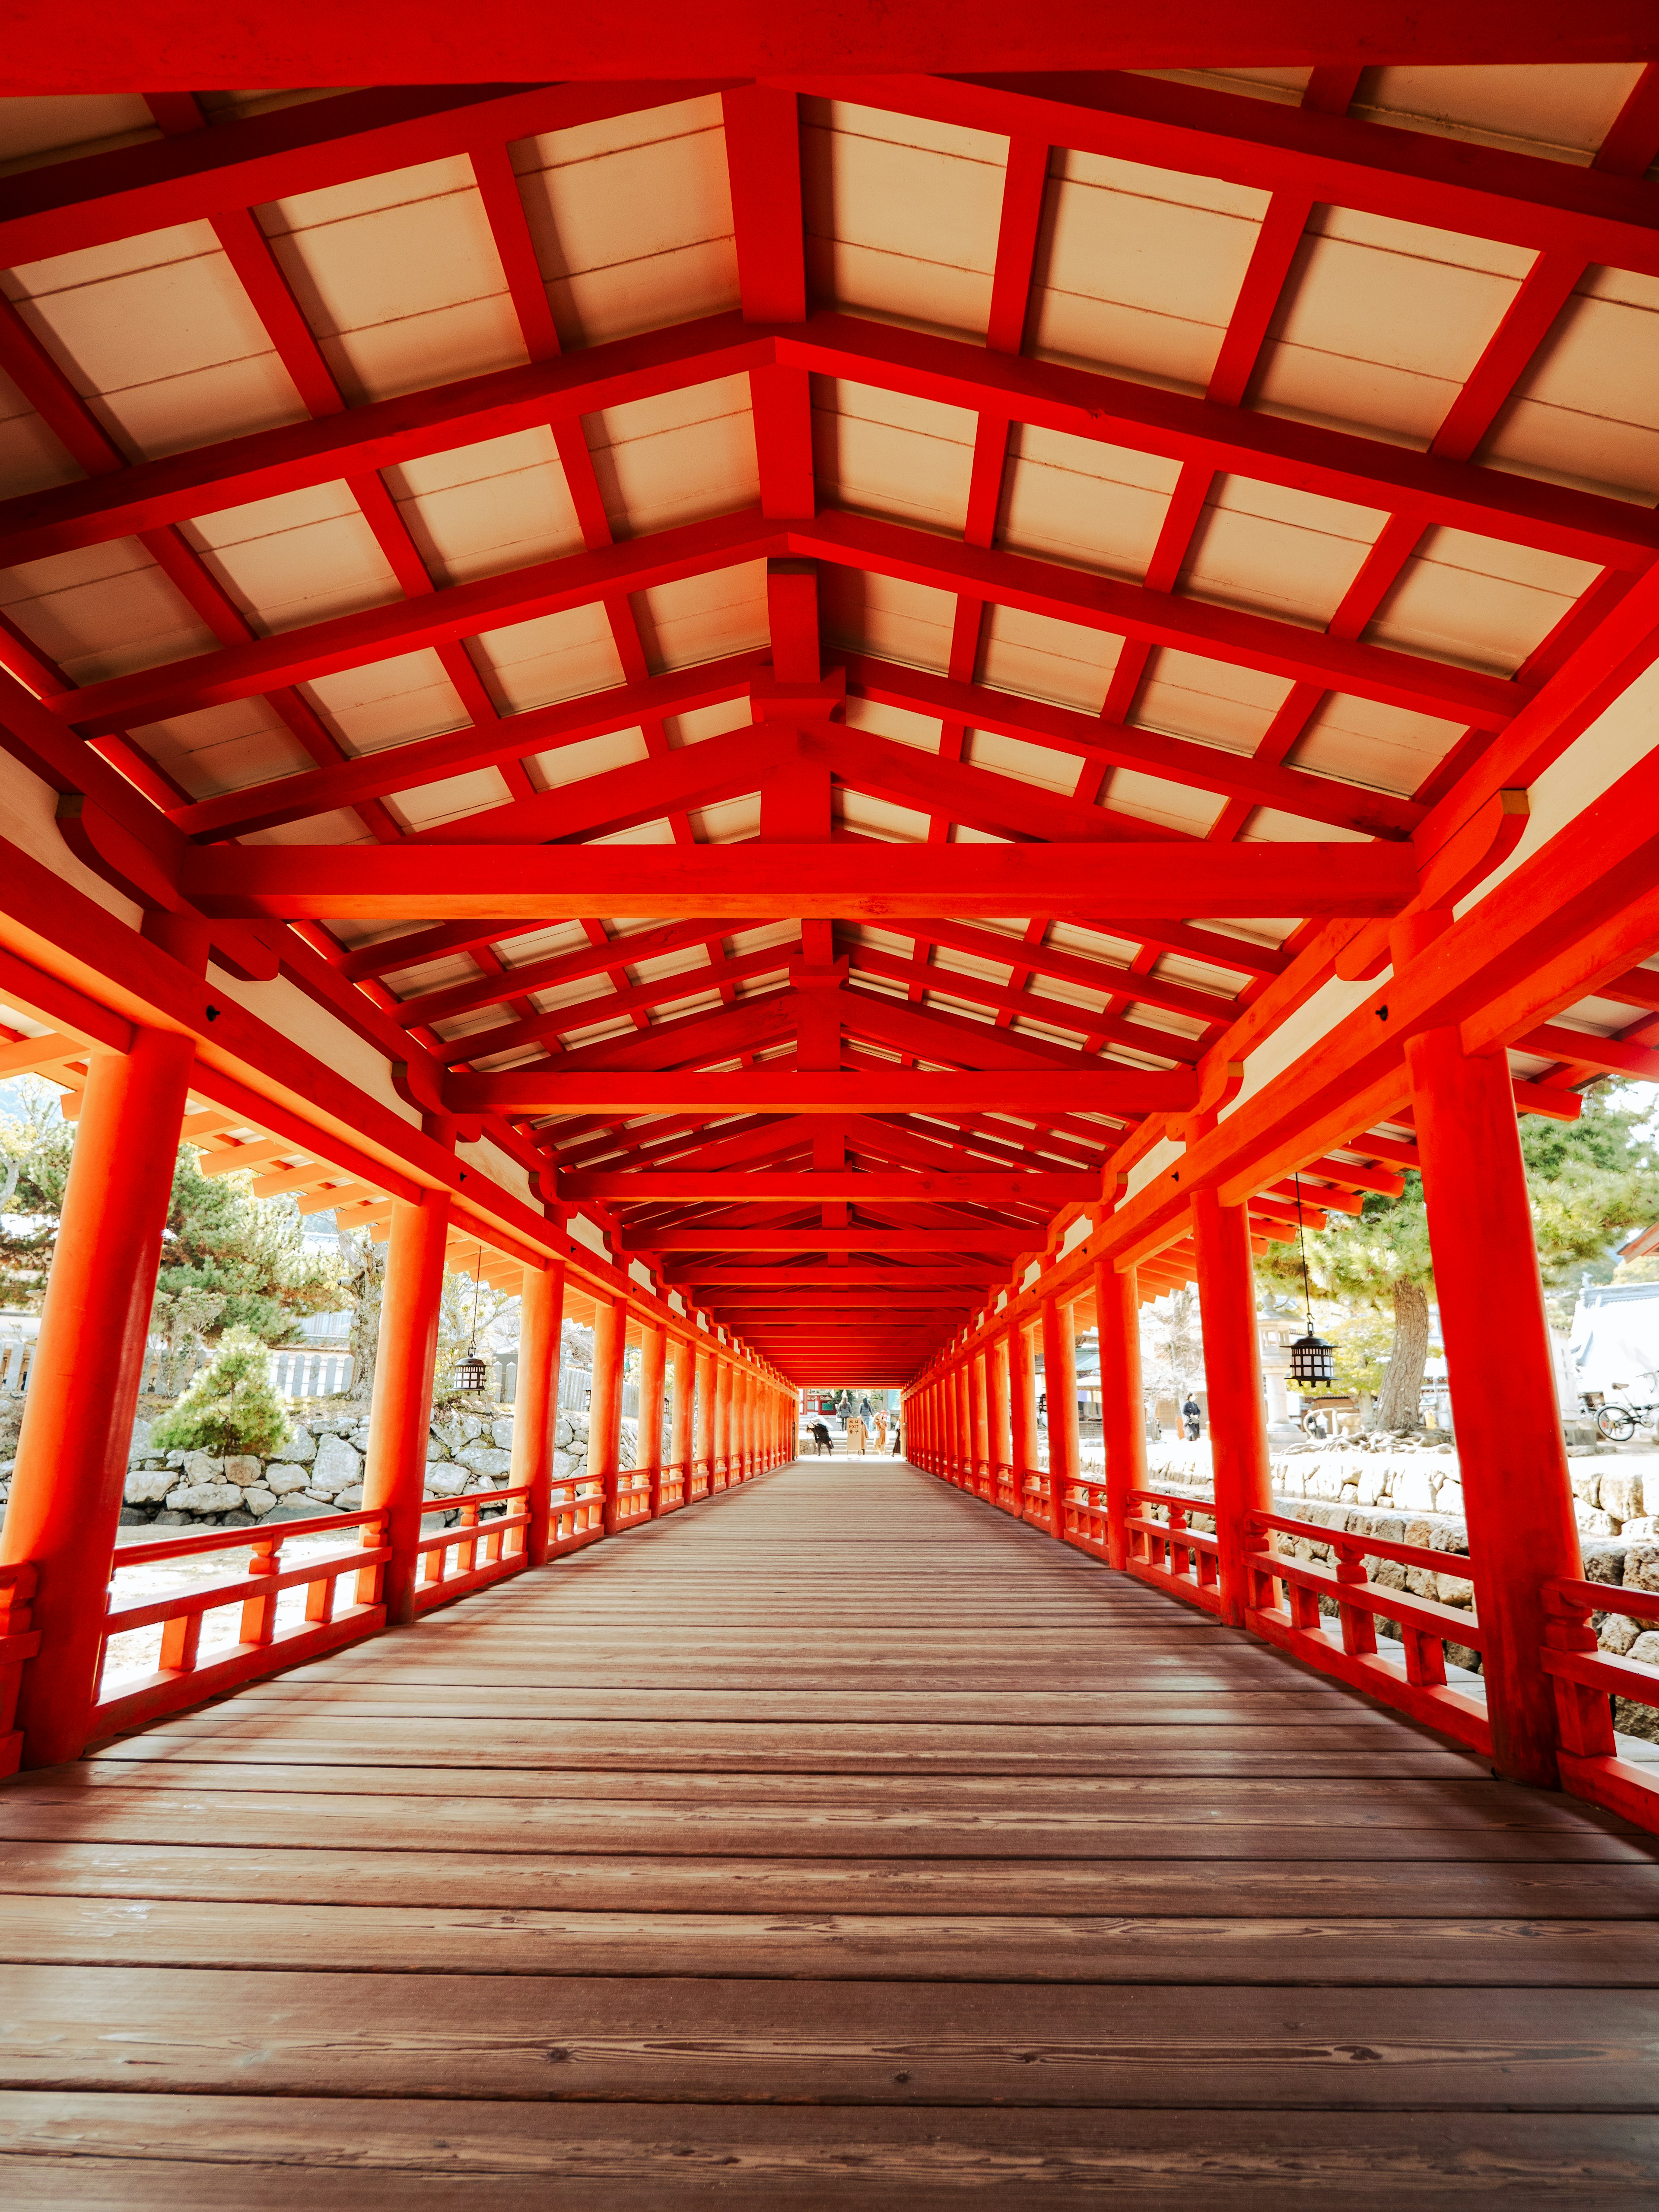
(228, 1259)
(230, 1405)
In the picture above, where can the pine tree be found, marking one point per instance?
(1590, 1182)
(230, 1407)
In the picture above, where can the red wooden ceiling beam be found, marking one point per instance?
(1124, 609)
(1033, 1005)
(859, 1236)
(68, 206)
(403, 768)
(821, 1282)
(1175, 760)
(898, 1090)
(1409, 176)
(1082, 403)
(910, 1186)
(586, 1013)
(318, 882)
(461, 610)
(561, 967)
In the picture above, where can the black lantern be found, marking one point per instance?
(472, 1373)
(1313, 1363)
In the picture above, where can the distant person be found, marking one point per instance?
(821, 1438)
(864, 1409)
(880, 1432)
(1192, 1414)
(856, 1434)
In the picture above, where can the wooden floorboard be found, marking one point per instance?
(838, 1842)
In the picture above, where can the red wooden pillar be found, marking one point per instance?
(400, 1410)
(951, 1469)
(647, 1454)
(604, 1408)
(1060, 1385)
(703, 1453)
(980, 1472)
(962, 1381)
(72, 1454)
(1117, 1317)
(1517, 1496)
(1232, 1367)
(536, 1405)
(723, 1475)
(684, 1400)
(743, 1386)
(996, 1381)
(1022, 1409)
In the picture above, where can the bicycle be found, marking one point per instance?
(1617, 1423)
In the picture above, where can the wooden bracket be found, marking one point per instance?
(1483, 843)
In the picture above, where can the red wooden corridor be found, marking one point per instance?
(842, 1843)
(837, 694)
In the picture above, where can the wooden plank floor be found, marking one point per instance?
(836, 1842)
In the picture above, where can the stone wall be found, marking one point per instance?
(1366, 1492)
(320, 1470)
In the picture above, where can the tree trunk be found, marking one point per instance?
(368, 1286)
(1399, 1403)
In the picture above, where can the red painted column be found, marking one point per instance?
(723, 1474)
(963, 1380)
(684, 1399)
(742, 1385)
(1060, 1385)
(400, 1410)
(1517, 1496)
(536, 1405)
(954, 1448)
(72, 1454)
(1117, 1311)
(980, 1482)
(1232, 1367)
(604, 1408)
(647, 1454)
(996, 1377)
(703, 1455)
(1022, 1409)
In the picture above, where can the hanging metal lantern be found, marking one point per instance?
(472, 1373)
(1313, 1363)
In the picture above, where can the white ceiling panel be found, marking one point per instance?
(1138, 268)
(884, 452)
(1044, 659)
(102, 611)
(1381, 322)
(532, 663)
(399, 278)
(703, 617)
(902, 214)
(680, 456)
(481, 510)
(158, 337)
(631, 218)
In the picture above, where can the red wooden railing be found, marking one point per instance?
(1285, 1609)
(1586, 1679)
(1165, 1545)
(262, 1648)
(1164, 1549)
(501, 1539)
(18, 1642)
